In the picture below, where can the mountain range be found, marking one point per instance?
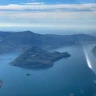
(12, 41)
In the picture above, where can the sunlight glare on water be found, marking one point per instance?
(87, 59)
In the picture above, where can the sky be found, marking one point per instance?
(44, 14)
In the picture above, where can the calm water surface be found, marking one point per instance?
(68, 77)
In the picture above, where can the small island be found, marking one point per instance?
(28, 74)
(38, 58)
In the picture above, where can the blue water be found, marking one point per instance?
(68, 77)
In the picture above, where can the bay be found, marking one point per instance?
(68, 77)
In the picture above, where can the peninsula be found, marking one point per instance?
(38, 58)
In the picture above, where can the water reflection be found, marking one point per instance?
(87, 59)
(90, 58)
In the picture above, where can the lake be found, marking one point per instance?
(74, 76)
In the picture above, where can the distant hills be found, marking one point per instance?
(4, 34)
(12, 41)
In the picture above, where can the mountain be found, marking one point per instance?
(4, 35)
(19, 40)
(12, 41)
(38, 58)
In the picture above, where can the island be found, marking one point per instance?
(1, 83)
(38, 58)
(28, 74)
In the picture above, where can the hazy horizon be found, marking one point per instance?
(47, 16)
(42, 30)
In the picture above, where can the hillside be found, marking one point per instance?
(4, 35)
(13, 41)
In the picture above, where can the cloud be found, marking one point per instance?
(42, 13)
(53, 15)
(49, 17)
(42, 6)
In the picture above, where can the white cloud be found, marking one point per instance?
(51, 15)
(12, 7)
(16, 13)
(42, 6)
